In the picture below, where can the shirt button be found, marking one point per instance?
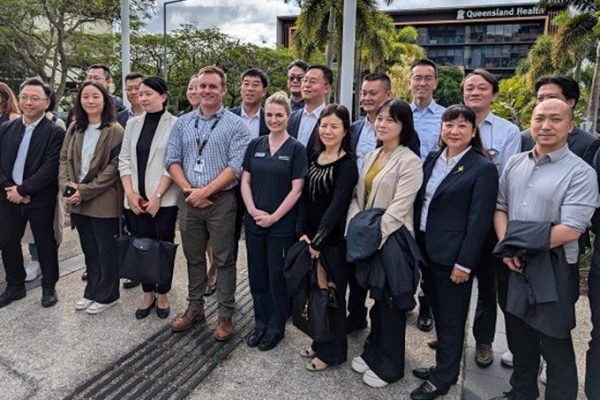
(524, 204)
(531, 185)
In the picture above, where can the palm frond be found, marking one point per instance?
(572, 37)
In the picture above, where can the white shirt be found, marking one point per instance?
(19, 165)
(252, 123)
(307, 123)
(367, 142)
(90, 140)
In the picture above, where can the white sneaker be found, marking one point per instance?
(83, 304)
(359, 365)
(32, 270)
(97, 308)
(543, 374)
(507, 359)
(371, 379)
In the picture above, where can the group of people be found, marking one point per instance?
(432, 197)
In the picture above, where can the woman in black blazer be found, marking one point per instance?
(453, 215)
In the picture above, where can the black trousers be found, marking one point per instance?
(357, 311)
(97, 236)
(384, 351)
(161, 227)
(450, 304)
(266, 256)
(335, 351)
(527, 344)
(484, 323)
(592, 372)
(14, 218)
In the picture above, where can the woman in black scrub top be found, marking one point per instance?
(274, 169)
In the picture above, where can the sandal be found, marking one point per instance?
(308, 353)
(316, 365)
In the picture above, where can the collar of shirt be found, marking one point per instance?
(431, 107)
(244, 115)
(296, 103)
(554, 156)
(456, 158)
(489, 119)
(315, 113)
(34, 123)
(218, 114)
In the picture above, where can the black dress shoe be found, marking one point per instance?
(254, 338)
(432, 344)
(269, 342)
(142, 313)
(422, 373)
(425, 392)
(129, 284)
(353, 325)
(84, 276)
(10, 295)
(49, 297)
(163, 313)
(210, 290)
(425, 320)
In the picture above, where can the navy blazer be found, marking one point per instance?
(461, 211)
(40, 176)
(262, 130)
(356, 128)
(293, 127)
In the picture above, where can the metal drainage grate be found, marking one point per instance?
(170, 365)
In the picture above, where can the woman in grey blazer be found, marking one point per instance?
(150, 197)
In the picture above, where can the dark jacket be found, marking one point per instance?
(461, 211)
(262, 130)
(296, 265)
(40, 175)
(356, 128)
(391, 273)
(294, 125)
(544, 294)
(580, 142)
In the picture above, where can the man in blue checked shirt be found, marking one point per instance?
(204, 158)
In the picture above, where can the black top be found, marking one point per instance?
(143, 147)
(326, 197)
(271, 178)
(3, 119)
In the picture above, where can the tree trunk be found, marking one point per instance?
(592, 110)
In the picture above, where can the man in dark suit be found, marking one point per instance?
(253, 91)
(29, 152)
(303, 123)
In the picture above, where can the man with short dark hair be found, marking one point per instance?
(132, 88)
(253, 90)
(207, 171)
(303, 123)
(29, 152)
(295, 74)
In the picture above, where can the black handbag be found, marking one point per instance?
(313, 308)
(146, 260)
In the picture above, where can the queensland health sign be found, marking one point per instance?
(499, 12)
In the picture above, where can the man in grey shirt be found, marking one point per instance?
(548, 183)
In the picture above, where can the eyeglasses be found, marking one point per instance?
(420, 78)
(297, 78)
(34, 99)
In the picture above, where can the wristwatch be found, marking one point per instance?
(158, 195)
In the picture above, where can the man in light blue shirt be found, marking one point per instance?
(427, 114)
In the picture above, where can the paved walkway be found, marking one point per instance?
(49, 353)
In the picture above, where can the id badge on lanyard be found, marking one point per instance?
(199, 164)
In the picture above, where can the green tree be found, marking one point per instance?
(448, 91)
(515, 101)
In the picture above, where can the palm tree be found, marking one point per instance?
(577, 37)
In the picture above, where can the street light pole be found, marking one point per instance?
(125, 65)
(348, 43)
(165, 4)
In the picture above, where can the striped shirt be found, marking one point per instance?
(226, 138)
(559, 187)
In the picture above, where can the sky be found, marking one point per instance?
(255, 21)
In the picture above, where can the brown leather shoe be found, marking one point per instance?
(224, 330)
(186, 320)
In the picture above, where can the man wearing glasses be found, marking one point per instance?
(29, 152)
(295, 75)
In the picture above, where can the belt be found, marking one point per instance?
(217, 195)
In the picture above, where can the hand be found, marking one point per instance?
(265, 220)
(153, 206)
(197, 197)
(304, 238)
(133, 201)
(257, 213)
(12, 195)
(75, 198)
(513, 263)
(314, 254)
(459, 276)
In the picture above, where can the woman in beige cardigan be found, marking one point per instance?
(150, 197)
(390, 178)
(89, 179)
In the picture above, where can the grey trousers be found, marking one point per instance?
(197, 225)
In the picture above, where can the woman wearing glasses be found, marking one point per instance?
(501, 139)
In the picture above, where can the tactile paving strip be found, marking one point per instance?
(170, 365)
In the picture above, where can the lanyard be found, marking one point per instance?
(202, 145)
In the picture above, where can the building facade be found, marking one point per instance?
(490, 37)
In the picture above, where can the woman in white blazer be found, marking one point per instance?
(150, 197)
(390, 178)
